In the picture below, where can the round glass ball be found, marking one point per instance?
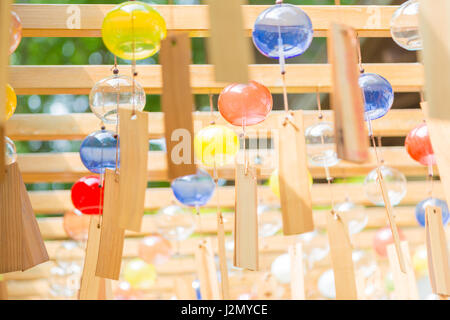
(418, 145)
(133, 30)
(15, 32)
(155, 249)
(320, 145)
(421, 210)
(98, 151)
(405, 26)
(116, 91)
(11, 101)
(194, 190)
(175, 223)
(378, 95)
(10, 151)
(395, 183)
(283, 29)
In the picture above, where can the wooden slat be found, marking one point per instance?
(77, 126)
(67, 167)
(300, 78)
(369, 21)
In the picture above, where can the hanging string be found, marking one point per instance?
(430, 176)
(133, 67)
(358, 48)
(211, 109)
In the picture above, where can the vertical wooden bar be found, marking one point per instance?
(232, 56)
(246, 219)
(11, 222)
(177, 104)
(3, 289)
(434, 19)
(134, 147)
(297, 273)
(90, 284)
(222, 257)
(347, 98)
(206, 268)
(405, 287)
(341, 258)
(5, 22)
(105, 289)
(437, 252)
(295, 194)
(111, 236)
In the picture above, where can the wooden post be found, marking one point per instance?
(111, 236)
(295, 194)
(341, 258)
(297, 273)
(177, 104)
(405, 286)
(437, 252)
(222, 257)
(246, 219)
(232, 56)
(90, 284)
(347, 98)
(133, 133)
(206, 268)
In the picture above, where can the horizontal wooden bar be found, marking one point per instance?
(300, 78)
(66, 20)
(76, 126)
(57, 202)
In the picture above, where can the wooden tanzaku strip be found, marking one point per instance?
(177, 104)
(231, 57)
(347, 99)
(341, 258)
(223, 265)
(206, 269)
(297, 273)
(437, 252)
(133, 167)
(405, 287)
(3, 289)
(5, 29)
(246, 219)
(12, 244)
(47, 20)
(105, 289)
(76, 126)
(34, 251)
(434, 17)
(28, 80)
(89, 286)
(391, 219)
(295, 194)
(184, 289)
(112, 236)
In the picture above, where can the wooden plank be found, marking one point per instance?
(105, 289)
(246, 219)
(133, 165)
(405, 286)
(404, 77)
(76, 126)
(3, 289)
(347, 99)
(85, 20)
(232, 57)
(295, 195)
(89, 286)
(206, 268)
(177, 103)
(341, 258)
(434, 19)
(221, 250)
(111, 236)
(297, 273)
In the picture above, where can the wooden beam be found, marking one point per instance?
(300, 78)
(85, 20)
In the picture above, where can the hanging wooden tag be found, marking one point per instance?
(184, 289)
(437, 252)
(232, 56)
(347, 99)
(297, 273)
(134, 147)
(177, 104)
(434, 19)
(341, 258)
(90, 284)
(207, 273)
(222, 257)
(295, 194)
(105, 289)
(246, 219)
(405, 287)
(111, 236)
(3, 289)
